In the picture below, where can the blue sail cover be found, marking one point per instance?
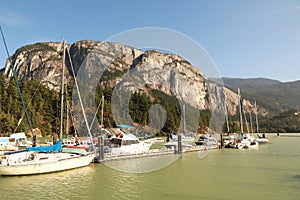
(45, 149)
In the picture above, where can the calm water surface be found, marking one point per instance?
(271, 172)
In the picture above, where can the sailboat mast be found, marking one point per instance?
(184, 122)
(226, 117)
(251, 123)
(67, 123)
(19, 90)
(246, 121)
(256, 118)
(80, 100)
(62, 92)
(240, 107)
(102, 109)
(67, 109)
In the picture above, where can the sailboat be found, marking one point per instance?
(40, 160)
(183, 139)
(43, 159)
(260, 140)
(246, 140)
(229, 141)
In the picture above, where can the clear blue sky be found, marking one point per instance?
(245, 38)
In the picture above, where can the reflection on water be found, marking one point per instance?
(61, 185)
(271, 172)
(144, 164)
(204, 154)
(297, 176)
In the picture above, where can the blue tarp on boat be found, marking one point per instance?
(44, 149)
(124, 126)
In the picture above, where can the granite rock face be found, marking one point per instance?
(138, 71)
(42, 61)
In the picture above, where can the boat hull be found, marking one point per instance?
(131, 149)
(262, 140)
(253, 145)
(55, 163)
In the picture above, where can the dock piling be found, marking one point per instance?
(101, 148)
(179, 144)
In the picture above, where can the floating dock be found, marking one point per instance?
(151, 153)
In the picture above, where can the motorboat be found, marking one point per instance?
(14, 141)
(125, 143)
(207, 140)
(76, 142)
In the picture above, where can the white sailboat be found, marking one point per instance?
(186, 137)
(247, 140)
(260, 140)
(29, 162)
(44, 159)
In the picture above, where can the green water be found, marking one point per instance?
(271, 172)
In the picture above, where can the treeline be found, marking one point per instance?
(286, 122)
(41, 103)
(152, 107)
(275, 96)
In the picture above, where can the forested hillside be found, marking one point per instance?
(161, 79)
(42, 106)
(273, 95)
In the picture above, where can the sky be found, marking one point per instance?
(244, 38)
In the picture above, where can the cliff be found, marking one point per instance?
(40, 61)
(147, 70)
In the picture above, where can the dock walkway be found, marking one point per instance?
(150, 153)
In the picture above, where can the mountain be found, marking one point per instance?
(138, 86)
(273, 95)
(249, 82)
(151, 78)
(168, 73)
(40, 61)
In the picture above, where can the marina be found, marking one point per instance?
(270, 172)
(201, 104)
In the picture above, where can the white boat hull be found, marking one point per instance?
(132, 149)
(262, 140)
(253, 145)
(47, 163)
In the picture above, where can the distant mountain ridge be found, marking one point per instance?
(274, 95)
(254, 82)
